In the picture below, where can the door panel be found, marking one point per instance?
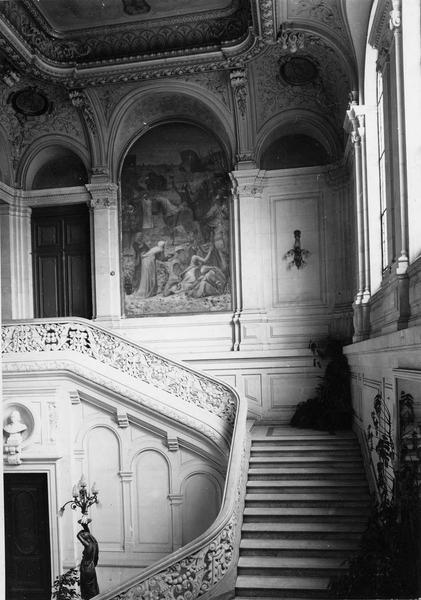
(48, 275)
(61, 253)
(27, 536)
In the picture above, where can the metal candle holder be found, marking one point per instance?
(82, 499)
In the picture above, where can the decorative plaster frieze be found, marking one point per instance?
(52, 420)
(117, 388)
(324, 12)
(126, 357)
(80, 101)
(238, 80)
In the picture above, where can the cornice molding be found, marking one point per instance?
(112, 44)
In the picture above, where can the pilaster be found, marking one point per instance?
(17, 288)
(243, 122)
(105, 250)
(176, 502)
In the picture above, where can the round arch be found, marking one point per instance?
(45, 149)
(299, 122)
(161, 102)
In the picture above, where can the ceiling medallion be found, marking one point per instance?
(30, 102)
(298, 70)
(136, 7)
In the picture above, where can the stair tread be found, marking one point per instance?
(299, 510)
(285, 562)
(279, 582)
(291, 544)
(305, 483)
(321, 527)
(304, 470)
(306, 459)
(306, 496)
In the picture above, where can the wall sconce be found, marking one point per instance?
(82, 499)
(296, 255)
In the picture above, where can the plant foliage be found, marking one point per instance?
(388, 561)
(331, 407)
(64, 586)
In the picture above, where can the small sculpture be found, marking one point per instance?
(296, 254)
(88, 580)
(14, 429)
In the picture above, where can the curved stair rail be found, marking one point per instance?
(199, 569)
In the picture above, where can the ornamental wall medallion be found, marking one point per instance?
(175, 223)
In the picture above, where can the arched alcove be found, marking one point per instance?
(175, 222)
(200, 504)
(103, 468)
(61, 168)
(152, 507)
(294, 150)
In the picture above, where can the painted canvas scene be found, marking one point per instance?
(175, 223)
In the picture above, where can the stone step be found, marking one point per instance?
(306, 473)
(297, 547)
(325, 438)
(304, 500)
(321, 531)
(303, 451)
(297, 461)
(303, 486)
(274, 565)
(309, 515)
(276, 462)
(281, 587)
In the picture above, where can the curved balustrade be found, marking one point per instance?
(196, 569)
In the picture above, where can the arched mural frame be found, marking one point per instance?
(195, 273)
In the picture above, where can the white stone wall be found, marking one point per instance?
(159, 486)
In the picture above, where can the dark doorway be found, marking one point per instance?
(27, 544)
(62, 262)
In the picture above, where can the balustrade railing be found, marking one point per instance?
(197, 569)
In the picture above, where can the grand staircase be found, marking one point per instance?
(307, 504)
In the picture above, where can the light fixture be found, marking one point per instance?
(82, 499)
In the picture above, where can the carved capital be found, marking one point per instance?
(238, 80)
(102, 195)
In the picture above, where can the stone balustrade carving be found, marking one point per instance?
(123, 355)
(194, 570)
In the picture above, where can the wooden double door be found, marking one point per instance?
(62, 261)
(27, 536)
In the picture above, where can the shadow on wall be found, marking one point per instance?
(292, 151)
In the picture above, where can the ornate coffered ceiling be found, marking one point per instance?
(94, 42)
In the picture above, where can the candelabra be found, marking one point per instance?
(82, 499)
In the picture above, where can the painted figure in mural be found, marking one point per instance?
(139, 247)
(190, 276)
(88, 581)
(210, 283)
(14, 428)
(217, 221)
(148, 285)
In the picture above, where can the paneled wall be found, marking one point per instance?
(158, 487)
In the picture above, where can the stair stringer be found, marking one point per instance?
(206, 566)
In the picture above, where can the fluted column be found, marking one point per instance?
(362, 298)
(105, 250)
(403, 260)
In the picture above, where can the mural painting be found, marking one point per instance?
(175, 223)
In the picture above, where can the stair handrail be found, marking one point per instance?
(196, 569)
